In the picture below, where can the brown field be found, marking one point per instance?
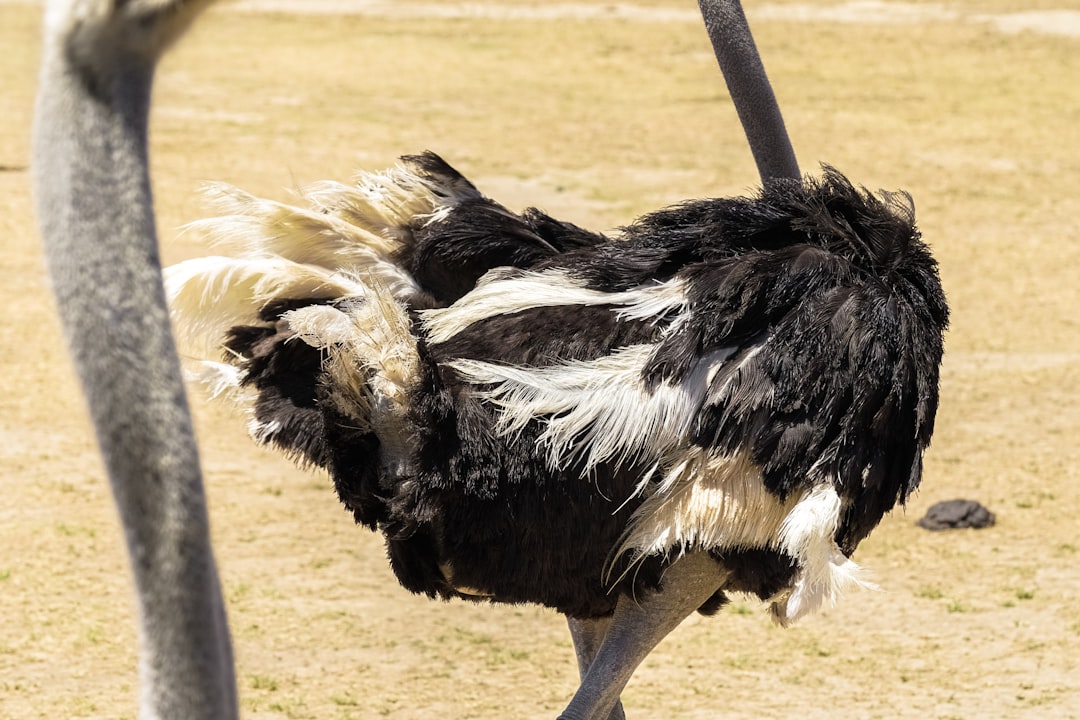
(596, 112)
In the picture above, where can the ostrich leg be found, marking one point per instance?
(751, 92)
(92, 190)
(608, 651)
(637, 626)
(587, 636)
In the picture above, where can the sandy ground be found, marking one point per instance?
(1063, 21)
(595, 111)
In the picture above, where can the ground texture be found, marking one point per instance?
(596, 112)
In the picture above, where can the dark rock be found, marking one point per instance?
(956, 514)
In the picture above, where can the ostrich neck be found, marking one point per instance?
(94, 205)
(751, 92)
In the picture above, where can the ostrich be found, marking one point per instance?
(726, 396)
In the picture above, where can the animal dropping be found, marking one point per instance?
(956, 514)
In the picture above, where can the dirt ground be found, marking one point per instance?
(596, 112)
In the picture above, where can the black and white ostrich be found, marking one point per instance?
(728, 396)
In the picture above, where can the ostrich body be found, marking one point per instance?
(727, 397)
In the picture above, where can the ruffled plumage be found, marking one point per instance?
(536, 413)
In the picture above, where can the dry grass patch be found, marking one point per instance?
(597, 119)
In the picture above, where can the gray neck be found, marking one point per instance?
(94, 205)
(750, 89)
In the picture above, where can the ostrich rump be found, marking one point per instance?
(531, 412)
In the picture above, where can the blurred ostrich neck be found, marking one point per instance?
(94, 205)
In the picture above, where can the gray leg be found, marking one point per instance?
(636, 628)
(587, 636)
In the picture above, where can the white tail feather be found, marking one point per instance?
(391, 199)
(212, 294)
(253, 227)
(824, 572)
(371, 362)
(347, 239)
